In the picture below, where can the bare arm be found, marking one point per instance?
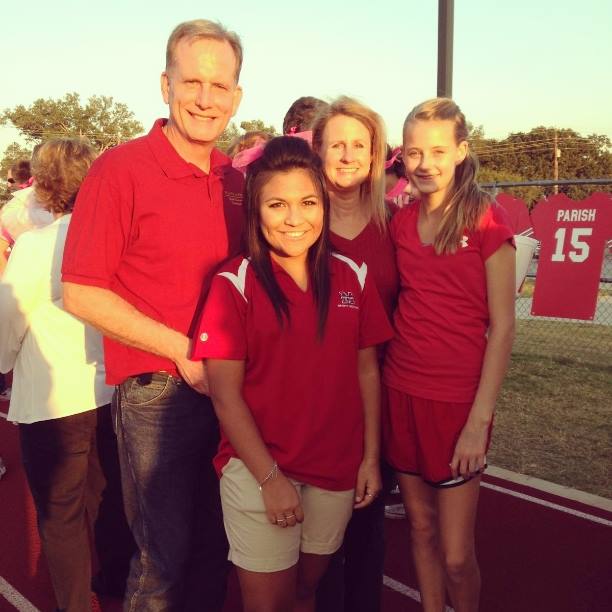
(21, 291)
(279, 495)
(368, 477)
(469, 456)
(119, 320)
(3, 246)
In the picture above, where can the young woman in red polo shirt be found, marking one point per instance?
(454, 329)
(289, 333)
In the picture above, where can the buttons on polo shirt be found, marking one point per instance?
(203, 336)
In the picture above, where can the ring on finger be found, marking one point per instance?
(288, 516)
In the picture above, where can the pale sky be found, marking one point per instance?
(517, 65)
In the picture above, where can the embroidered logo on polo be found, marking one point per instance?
(464, 242)
(234, 197)
(347, 300)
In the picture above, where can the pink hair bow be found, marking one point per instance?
(397, 190)
(395, 154)
(248, 156)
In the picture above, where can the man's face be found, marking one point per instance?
(201, 91)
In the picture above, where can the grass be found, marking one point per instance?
(554, 414)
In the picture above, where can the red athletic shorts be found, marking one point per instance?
(419, 435)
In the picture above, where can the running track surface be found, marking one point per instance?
(538, 552)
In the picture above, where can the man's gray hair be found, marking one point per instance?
(202, 28)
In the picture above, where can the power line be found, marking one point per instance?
(538, 148)
(521, 144)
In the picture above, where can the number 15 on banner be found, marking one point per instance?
(581, 247)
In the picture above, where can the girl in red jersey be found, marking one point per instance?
(289, 332)
(454, 329)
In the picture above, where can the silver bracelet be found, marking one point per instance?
(273, 473)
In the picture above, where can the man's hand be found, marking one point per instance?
(194, 374)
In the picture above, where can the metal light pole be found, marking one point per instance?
(446, 11)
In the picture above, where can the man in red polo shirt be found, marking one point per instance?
(153, 219)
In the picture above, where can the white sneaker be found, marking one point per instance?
(395, 512)
(5, 396)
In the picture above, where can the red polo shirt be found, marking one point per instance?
(442, 316)
(152, 227)
(303, 393)
(375, 248)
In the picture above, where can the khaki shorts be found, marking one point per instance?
(257, 545)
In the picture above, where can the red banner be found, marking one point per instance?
(573, 236)
(517, 212)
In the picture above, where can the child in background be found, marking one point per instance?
(246, 141)
(397, 189)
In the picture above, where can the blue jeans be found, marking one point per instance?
(167, 436)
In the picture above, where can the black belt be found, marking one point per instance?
(146, 378)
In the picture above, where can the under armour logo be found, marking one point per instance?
(464, 242)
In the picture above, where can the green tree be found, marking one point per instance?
(257, 125)
(530, 156)
(103, 121)
(230, 133)
(529, 195)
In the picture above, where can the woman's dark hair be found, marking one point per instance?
(302, 113)
(397, 167)
(21, 171)
(283, 154)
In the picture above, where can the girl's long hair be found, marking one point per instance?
(465, 202)
(283, 154)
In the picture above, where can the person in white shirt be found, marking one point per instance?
(20, 214)
(59, 398)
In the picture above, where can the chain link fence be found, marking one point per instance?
(578, 339)
(581, 339)
(554, 413)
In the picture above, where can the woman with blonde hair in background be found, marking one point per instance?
(350, 139)
(60, 399)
